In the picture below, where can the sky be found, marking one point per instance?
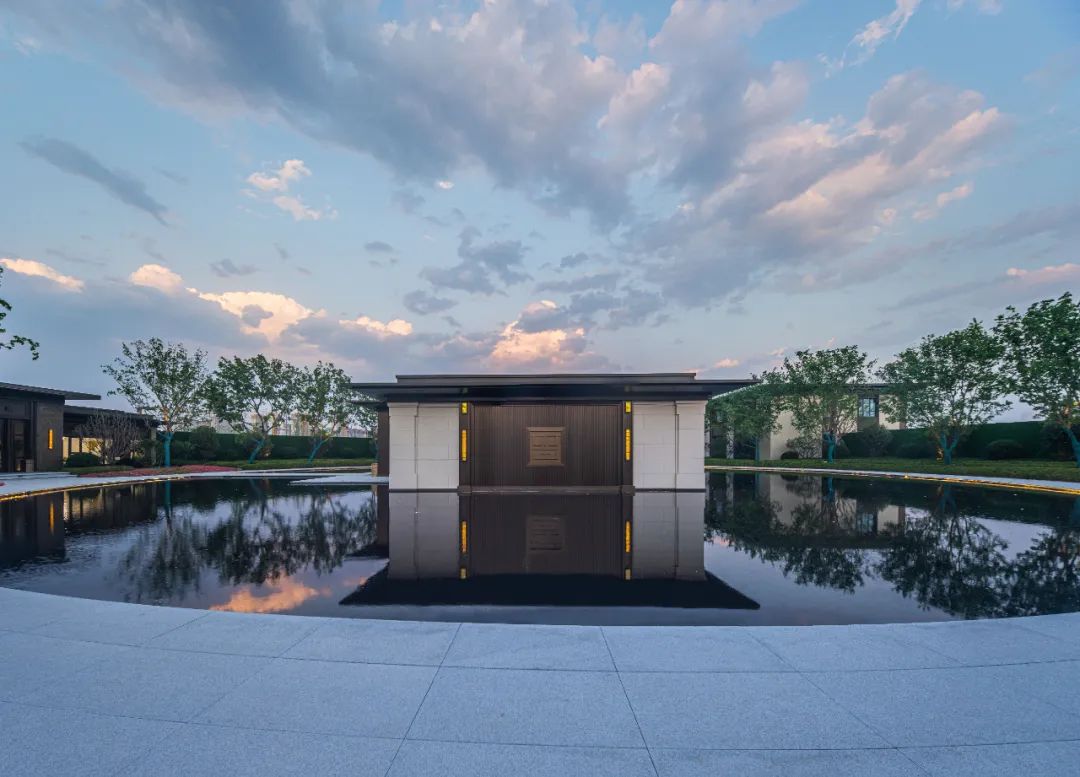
(425, 187)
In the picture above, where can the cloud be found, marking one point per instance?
(530, 347)
(37, 269)
(803, 199)
(378, 247)
(1059, 69)
(156, 276)
(1064, 274)
(444, 185)
(602, 280)
(226, 268)
(277, 183)
(573, 260)
(279, 180)
(876, 32)
(424, 303)
(990, 7)
(507, 86)
(482, 266)
(261, 312)
(296, 208)
(397, 327)
(76, 161)
(963, 191)
(726, 363)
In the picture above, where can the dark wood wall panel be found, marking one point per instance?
(511, 534)
(499, 444)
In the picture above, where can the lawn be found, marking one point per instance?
(295, 463)
(242, 464)
(1017, 468)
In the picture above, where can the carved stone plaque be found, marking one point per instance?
(546, 446)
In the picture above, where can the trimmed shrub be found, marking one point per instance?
(875, 440)
(999, 450)
(789, 455)
(841, 451)
(180, 450)
(204, 442)
(917, 450)
(82, 460)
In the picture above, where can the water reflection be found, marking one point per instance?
(765, 549)
(948, 548)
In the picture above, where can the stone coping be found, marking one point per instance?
(51, 482)
(986, 481)
(92, 687)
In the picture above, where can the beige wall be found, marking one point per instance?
(771, 446)
(423, 446)
(669, 445)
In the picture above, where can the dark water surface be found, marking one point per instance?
(752, 549)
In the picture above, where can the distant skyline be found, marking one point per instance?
(530, 186)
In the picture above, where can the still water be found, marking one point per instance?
(751, 549)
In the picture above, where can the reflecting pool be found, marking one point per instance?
(751, 549)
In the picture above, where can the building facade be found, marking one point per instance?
(543, 432)
(32, 426)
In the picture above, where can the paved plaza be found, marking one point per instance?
(105, 688)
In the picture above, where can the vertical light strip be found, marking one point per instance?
(464, 537)
(629, 407)
(626, 537)
(464, 445)
(628, 445)
(51, 441)
(464, 408)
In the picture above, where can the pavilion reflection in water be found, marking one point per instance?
(554, 549)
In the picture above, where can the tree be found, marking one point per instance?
(1042, 357)
(253, 395)
(163, 380)
(325, 402)
(14, 341)
(117, 435)
(820, 388)
(749, 412)
(947, 384)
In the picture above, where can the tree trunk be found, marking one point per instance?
(830, 446)
(255, 452)
(1075, 443)
(167, 437)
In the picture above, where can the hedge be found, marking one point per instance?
(1034, 440)
(232, 448)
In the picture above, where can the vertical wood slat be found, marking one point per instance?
(593, 442)
(589, 531)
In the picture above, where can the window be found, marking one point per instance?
(868, 407)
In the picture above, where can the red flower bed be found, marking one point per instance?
(187, 469)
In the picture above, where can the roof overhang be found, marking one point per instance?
(41, 391)
(550, 387)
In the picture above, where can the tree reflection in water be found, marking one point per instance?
(941, 554)
(263, 539)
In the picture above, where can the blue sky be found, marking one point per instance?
(530, 186)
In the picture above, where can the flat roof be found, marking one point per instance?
(47, 392)
(548, 386)
(86, 410)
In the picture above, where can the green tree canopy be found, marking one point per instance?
(164, 380)
(947, 384)
(253, 395)
(326, 402)
(748, 413)
(13, 341)
(1042, 357)
(820, 388)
